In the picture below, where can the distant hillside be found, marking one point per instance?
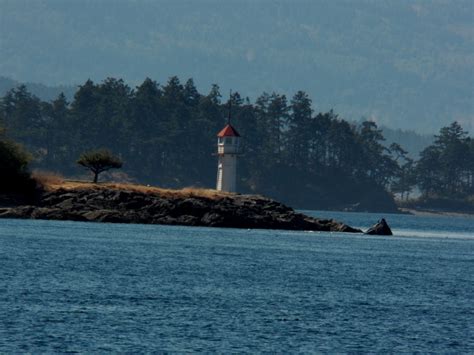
(411, 141)
(405, 64)
(44, 92)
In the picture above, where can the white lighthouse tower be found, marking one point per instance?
(228, 142)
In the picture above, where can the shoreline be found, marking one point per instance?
(130, 203)
(434, 213)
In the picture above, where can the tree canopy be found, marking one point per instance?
(446, 168)
(98, 161)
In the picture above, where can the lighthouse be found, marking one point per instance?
(228, 142)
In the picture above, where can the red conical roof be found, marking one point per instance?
(228, 131)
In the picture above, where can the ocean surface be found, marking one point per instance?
(89, 287)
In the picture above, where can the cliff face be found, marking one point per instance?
(127, 206)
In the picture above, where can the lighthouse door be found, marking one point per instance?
(219, 177)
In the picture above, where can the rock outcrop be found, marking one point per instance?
(121, 206)
(380, 228)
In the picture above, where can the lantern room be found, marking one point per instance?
(228, 141)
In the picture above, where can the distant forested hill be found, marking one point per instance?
(44, 92)
(411, 141)
(404, 64)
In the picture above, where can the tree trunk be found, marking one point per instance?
(96, 177)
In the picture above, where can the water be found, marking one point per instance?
(87, 287)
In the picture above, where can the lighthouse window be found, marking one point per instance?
(220, 140)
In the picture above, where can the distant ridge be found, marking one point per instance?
(44, 92)
(411, 141)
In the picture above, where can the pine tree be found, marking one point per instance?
(298, 133)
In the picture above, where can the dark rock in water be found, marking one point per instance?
(380, 228)
(346, 229)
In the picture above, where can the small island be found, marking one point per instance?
(43, 196)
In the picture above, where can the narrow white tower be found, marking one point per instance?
(228, 142)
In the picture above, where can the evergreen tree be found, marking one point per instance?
(378, 165)
(84, 114)
(60, 135)
(445, 168)
(298, 133)
(145, 153)
(20, 112)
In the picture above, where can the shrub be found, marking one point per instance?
(14, 175)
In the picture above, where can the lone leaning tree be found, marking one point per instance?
(99, 161)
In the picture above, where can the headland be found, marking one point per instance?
(130, 203)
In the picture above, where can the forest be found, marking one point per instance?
(166, 136)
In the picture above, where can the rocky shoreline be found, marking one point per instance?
(126, 206)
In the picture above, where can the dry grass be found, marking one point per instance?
(46, 178)
(53, 184)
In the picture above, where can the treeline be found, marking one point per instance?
(446, 168)
(166, 135)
